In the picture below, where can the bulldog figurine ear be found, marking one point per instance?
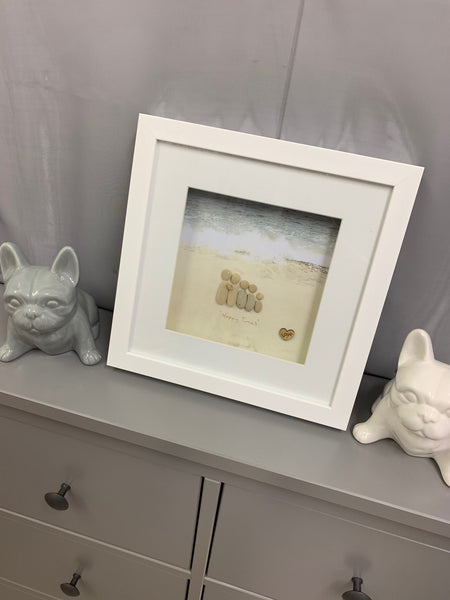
(45, 308)
(11, 259)
(414, 408)
(66, 265)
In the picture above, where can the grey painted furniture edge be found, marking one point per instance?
(303, 457)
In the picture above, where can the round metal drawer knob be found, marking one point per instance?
(356, 593)
(56, 499)
(70, 589)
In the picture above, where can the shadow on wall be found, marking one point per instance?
(367, 121)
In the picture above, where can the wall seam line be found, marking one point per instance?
(290, 69)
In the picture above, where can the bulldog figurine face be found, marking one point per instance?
(414, 408)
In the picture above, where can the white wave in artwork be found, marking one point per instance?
(258, 232)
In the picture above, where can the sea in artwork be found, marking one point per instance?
(260, 232)
(284, 253)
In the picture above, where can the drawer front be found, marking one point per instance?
(283, 550)
(42, 557)
(129, 501)
(218, 591)
(11, 591)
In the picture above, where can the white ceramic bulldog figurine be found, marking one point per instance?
(45, 308)
(414, 408)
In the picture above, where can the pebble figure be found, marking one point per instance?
(258, 303)
(233, 292)
(224, 287)
(241, 299)
(251, 298)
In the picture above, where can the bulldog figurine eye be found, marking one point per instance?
(45, 308)
(414, 408)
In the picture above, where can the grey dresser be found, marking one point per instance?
(178, 495)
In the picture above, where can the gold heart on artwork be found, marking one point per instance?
(286, 334)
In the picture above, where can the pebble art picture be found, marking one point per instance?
(250, 275)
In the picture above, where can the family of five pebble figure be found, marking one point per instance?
(234, 291)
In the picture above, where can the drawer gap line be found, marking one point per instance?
(207, 513)
(91, 541)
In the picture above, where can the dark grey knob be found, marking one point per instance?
(70, 589)
(356, 593)
(56, 499)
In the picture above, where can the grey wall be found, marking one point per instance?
(367, 77)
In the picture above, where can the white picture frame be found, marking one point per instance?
(369, 201)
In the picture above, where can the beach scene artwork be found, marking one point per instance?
(250, 275)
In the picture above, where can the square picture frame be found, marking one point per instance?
(306, 237)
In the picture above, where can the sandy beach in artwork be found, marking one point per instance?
(292, 292)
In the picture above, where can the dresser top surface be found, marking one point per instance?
(224, 434)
